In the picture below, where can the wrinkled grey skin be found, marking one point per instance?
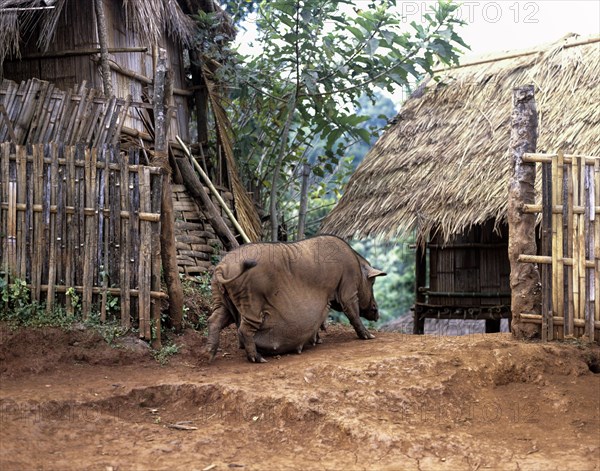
(279, 294)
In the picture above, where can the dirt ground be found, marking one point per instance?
(69, 401)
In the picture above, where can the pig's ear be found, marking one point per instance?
(373, 272)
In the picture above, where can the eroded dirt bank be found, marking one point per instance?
(68, 401)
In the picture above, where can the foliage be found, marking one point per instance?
(165, 353)
(198, 301)
(395, 292)
(318, 58)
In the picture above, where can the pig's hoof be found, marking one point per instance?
(256, 358)
(367, 336)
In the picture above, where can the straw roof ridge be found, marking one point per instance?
(444, 165)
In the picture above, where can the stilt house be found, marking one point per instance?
(441, 171)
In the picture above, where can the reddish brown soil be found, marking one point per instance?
(69, 401)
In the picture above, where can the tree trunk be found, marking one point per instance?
(162, 94)
(275, 181)
(103, 40)
(303, 201)
(524, 277)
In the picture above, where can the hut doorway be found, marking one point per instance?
(464, 278)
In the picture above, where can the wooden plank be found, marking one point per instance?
(124, 243)
(144, 267)
(51, 198)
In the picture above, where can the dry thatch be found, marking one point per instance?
(148, 18)
(444, 165)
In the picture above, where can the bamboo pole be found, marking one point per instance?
(558, 246)
(549, 300)
(597, 245)
(575, 241)
(214, 191)
(589, 251)
(544, 259)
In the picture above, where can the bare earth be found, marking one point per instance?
(69, 401)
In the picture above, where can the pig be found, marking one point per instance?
(279, 294)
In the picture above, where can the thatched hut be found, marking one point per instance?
(441, 171)
(92, 48)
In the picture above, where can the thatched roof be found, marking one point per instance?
(443, 164)
(150, 19)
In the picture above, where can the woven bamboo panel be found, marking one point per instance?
(81, 220)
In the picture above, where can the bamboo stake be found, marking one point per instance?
(124, 269)
(144, 266)
(214, 191)
(568, 215)
(558, 246)
(597, 245)
(589, 252)
(52, 232)
(70, 234)
(22, 224)
(581, 245)
(548, 229)
(574, 313)
(37, 236)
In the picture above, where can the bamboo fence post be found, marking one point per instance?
(558, 247)
(51, 198)
(574, 314)
(145, 264)
(590, 214)
(102, 233)
(155, 277)
(581, 244)
(37, 240)
(22, 232)
(548, 224)
(524, 277)
(70, 235)
(596, 253)
(124, 278)
(214, 191)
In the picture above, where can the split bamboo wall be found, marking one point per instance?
(570, 255)
(83, 222)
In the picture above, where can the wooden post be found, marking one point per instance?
(162, 95)
(524, 277)
(103, 40)
(420, 282)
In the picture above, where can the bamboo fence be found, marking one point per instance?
(82, 223)
(570, 258)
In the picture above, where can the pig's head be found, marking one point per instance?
(366, 299)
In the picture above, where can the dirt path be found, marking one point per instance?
(68, 401)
